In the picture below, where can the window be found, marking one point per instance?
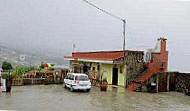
(75, 69)
(121, 69)
(93, 68)
(68, 76)
(98, 67)
(82, 78)
(71, 77)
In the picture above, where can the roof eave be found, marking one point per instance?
(90, 60)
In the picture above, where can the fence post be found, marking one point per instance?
(168, 82)
(32, 81)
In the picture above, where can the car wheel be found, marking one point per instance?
(64, 85)
(88, 90)
(71, 88)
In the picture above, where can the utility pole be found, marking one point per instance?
(124, 38)
(114, 16)
(124, 34)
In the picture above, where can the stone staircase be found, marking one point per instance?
(154, 66)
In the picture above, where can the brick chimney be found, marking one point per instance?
(163, 53)
(162, 42)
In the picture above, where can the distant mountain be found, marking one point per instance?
(18, 57)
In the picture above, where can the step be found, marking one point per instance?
(144, 77)
(133, 86)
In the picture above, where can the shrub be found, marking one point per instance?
(19, 70)
(6, 76)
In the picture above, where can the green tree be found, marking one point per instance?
(6, 66)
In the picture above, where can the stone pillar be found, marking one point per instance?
(157, 80)
(99, 71)
(125, 75)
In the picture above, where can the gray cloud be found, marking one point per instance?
(53, 26)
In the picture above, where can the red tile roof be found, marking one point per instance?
(99, 55)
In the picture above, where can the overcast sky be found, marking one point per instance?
(54, 25)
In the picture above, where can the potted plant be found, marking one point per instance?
(104, 84)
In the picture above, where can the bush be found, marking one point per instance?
(6, 76)
(19, 70)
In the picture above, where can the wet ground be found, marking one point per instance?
(56, 98)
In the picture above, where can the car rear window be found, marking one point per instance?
(82, 78)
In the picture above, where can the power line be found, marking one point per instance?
(108, 13)
(115, 16)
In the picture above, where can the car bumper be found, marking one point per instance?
(81, 87)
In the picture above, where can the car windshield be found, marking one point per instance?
(82, 78)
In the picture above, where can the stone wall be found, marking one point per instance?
(135, 65)
(183, 83)
(170, 81)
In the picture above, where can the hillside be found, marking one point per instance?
(18, 57)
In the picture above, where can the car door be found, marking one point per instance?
(71, 80)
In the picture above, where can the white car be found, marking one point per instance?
(77, 81)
